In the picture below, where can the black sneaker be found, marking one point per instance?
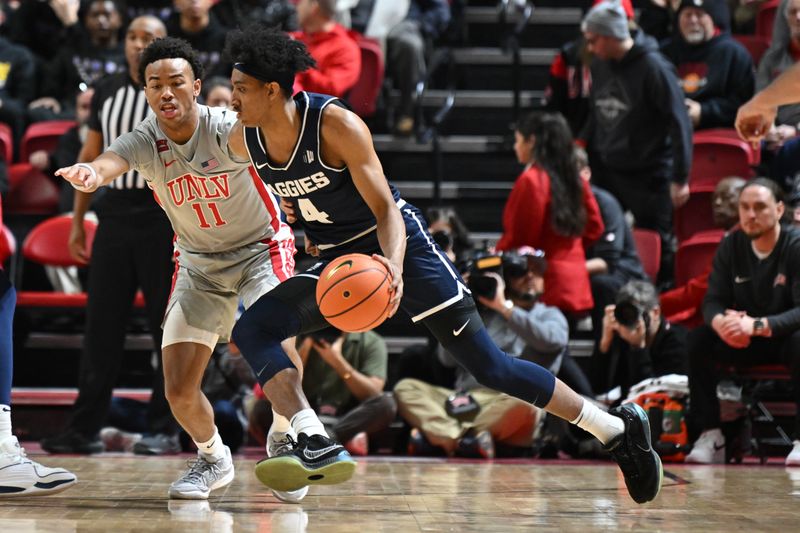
(633, 452)
(158, 444)
(73, 442)
(476, 446)
(316, 460)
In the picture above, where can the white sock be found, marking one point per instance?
(5, 422)
(306, 421)
(213, 449)
(280, 424)
(599, 423)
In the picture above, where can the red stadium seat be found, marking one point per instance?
(43, 136)
(695, 215)
(47, 244)
(719, 153)
(755, 44)
(648, 246)
(8, 244)
(30, 192)
(6, 143)
(695, 254)
(765, 18)
(363, 96)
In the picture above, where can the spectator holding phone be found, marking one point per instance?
(343, 379)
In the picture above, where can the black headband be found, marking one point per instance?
(284, 79)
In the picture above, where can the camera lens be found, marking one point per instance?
(627, 314)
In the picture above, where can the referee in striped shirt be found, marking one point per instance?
(132, 250)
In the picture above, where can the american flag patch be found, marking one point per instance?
(211, 164)
(161, 145)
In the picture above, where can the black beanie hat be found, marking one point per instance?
(717, 9)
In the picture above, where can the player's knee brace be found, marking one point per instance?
(461, 332)
(258, 334)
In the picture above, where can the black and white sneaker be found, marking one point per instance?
(19, 476)
(315, 460)
(634, 453)
(280, 443)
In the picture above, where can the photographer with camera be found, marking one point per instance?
(343, 379)
(637, 342)
(468, 421)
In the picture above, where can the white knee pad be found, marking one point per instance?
(176, 330)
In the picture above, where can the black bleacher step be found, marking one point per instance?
(579, 4)
(480, 98)
(485, 55)
(550, 27)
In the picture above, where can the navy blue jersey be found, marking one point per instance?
(330, 209)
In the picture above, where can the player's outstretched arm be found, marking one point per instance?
(346, 140)
(755, 118)
(87, 177)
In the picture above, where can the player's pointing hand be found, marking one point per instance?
(81, 175)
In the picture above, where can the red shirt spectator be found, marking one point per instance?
(526, 221)
(335, 51)
(338, 62)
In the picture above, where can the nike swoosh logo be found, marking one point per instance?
(168, 164)
(313, 454)
(6, 410)
(259, 167)
(738, 279)
(211, 445)
(457, 332)
(721, 446)
(262, 370)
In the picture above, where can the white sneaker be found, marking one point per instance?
(19, 476)
(793, 459)
(279, 443)
(708, 449)
(203, 477)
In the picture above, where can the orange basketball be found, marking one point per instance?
(353, 292)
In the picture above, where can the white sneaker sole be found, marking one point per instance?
(291, 496)
(35, 491)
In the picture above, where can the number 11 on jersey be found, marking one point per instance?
(201, 217)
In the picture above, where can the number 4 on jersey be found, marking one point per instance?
(311, 213)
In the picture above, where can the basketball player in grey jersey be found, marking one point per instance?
(230, 243)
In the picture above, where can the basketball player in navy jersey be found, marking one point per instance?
(319, 158)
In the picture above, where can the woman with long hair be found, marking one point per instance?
(551, 208)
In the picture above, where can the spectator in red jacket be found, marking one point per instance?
(685, 303)
(335, 51)
(551, 208)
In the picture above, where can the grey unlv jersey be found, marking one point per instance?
(215, 201)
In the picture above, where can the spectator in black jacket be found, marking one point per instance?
(194, 22)
(408, 44)
(17, 85)
(639, 136)
(637, 342)
(570, 80)
(715, 72)
(751, 312)
(95, 52)
(239, 13)
(612, 260)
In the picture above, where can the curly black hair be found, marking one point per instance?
(170, 48)
(269, 50)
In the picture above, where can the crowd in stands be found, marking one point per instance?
(608, 156)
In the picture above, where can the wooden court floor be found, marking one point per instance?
(125, 493)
